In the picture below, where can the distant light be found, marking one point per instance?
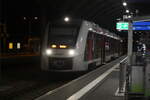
(18, 45)
(66, 19)
(124, 4)
(127, 11)
(10, 45)
(129, 16)
(24, 18)
(118, 19)
(101, 32)
(35, 18)
(90, 29)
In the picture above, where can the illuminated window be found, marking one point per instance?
(10, 45)
(18, 45)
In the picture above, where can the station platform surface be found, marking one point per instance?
(105, 90)
(100, 84)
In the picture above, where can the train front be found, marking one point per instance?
(61, 46)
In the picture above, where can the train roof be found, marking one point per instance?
(93, 27)
(96, 28)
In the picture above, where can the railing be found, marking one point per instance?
(135, 77)
(122, 77)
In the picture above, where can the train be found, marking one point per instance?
(78, 45)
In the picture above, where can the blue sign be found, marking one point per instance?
(141, 27)
(136, 25)
(141, 23)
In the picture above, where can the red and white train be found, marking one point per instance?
(78, 45)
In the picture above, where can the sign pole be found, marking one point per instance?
(130, 42)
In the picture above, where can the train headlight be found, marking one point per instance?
(71, 52)
(48, 51)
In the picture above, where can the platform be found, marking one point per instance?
(100, 83)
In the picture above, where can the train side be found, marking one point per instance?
(78, 48)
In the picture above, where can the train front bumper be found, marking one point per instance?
(60, 63)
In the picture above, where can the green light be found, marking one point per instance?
(122, 26)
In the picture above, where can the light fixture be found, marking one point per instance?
(35, 18)
(129, 16)
(66, 19)
(127, 11)
(124, 4)
(24, 18)
(90, 29)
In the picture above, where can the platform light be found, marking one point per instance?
(124, 4)
(129, 16)
(24, 18)
(66, 19)
(35, 18)
(127, 11)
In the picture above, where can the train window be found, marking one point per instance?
(63, 32)
(63, 35)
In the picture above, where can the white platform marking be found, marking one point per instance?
(88, 87)
(121, 93)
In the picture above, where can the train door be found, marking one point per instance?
(89, 47)
(103, 49)
(98, 48)
(107, 49)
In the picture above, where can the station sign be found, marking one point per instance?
(136, 25)
(122, 26)
(140, 28)
(141, 25)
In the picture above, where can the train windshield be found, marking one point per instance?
(63, 35)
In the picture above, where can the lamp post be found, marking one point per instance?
(29, 21)
(130, 40)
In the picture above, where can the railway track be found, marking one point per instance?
(29, 82)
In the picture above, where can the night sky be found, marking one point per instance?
(14, 13)
(16, 10)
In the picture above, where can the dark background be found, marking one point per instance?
(103, 12)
